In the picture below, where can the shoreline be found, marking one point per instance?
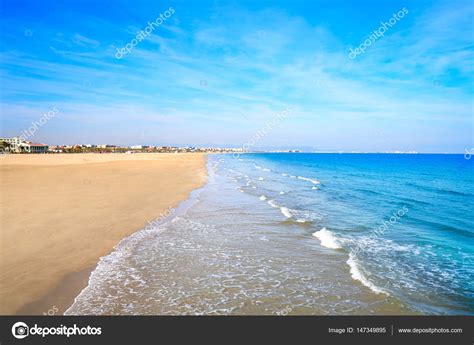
(140, 187)
(58, 299)
(84, 278)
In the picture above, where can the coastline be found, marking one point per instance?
(182, 267)
(82, 206)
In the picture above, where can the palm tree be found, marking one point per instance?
(4, 146)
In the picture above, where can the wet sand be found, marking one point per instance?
(61, 213)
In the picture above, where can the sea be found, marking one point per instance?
(302, 234)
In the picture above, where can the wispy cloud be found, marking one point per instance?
(255, 62)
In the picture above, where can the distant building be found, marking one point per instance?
(14, 142)
(35, 147)
(55, 149)
(19, 145)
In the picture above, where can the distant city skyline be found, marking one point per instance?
(208, 73)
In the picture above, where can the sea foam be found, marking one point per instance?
(356, 274)
(327, 239)
(272, 204)
(309, 180)
(286, 212)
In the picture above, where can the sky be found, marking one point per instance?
(213, 73)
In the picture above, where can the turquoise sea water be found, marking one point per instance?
(424, 258)
(294, 233)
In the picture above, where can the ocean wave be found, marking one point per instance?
(299, 216)
(263, 198)
(357, 274)
(444, 225)
(327, 239)
(313, 181)
(437, 189)
(298, 221)
(286, 212)
(235, 172)
(376, 245)
(306, 215)
(109, 269)
(272, 204)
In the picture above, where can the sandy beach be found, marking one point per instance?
(61, 213)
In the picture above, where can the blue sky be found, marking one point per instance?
(215, 72)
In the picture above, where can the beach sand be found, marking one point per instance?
(61, 213)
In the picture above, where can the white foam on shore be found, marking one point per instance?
(281, 193)
(327, 239)
(260, 178)
(257, 167)
(263, 198)
(284, 174)
(272, 203)
(307, 215)
(235, 172)
(265, 169)
(309, 180)
(314, 187)
(286, 212)
(356, 274)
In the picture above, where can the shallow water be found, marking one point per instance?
(294, 234)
